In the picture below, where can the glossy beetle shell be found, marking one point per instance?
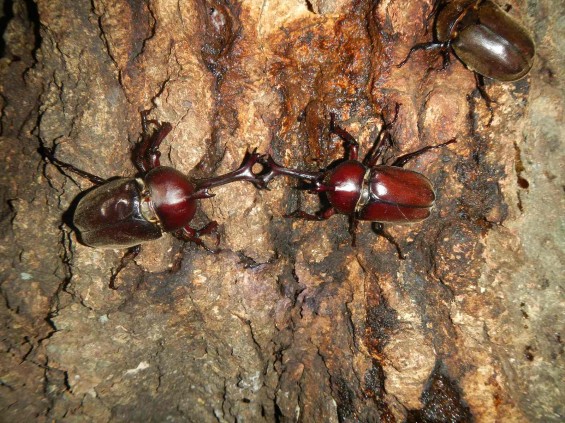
(397, 195)
(347, 179)
(486, 39)
(109, 216)
(391, 194)
(170, 194)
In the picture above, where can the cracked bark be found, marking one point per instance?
(288, 322)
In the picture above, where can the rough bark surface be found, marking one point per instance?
(288, 322)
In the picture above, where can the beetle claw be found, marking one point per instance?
(193, 235)
(378, 228)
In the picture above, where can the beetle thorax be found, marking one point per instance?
(346, 186)
(170, 198)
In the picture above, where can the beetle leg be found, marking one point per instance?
(129, 256)
(402, 160)
(383, 141)
(350, 144)
(353, 224)
(321, 215)
(379, 146)
(435, 7)
(49, 154)
(393, 121)
(446, 58)
(146, 153)
(426, 47)
(193, 235)
(378, 228)
(480, 82)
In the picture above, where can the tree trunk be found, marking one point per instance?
(289, 321)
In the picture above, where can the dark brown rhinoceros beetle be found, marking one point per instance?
(126, 212)
(364, 190)
(484, 37)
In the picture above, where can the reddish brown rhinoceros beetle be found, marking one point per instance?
(484, 37)
(364, 190)
(126, 212)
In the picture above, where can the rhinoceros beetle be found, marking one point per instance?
(126, 212)
(364, 190)
(484, 37)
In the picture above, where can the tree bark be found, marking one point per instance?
(288, 322)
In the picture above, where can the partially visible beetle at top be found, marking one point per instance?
(484, 37)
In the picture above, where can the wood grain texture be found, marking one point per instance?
(288, 322)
